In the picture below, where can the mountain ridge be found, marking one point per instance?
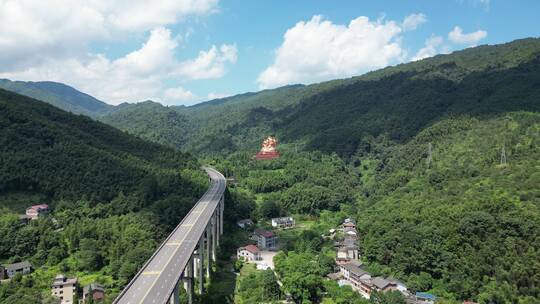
(312, 115)
(60, 95)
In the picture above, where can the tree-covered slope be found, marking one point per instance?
(114, 197)
(463, 225)
(62, 155)
(335, 116)
(398, 101)
(151, 121)
(466, 225)
(59, 95)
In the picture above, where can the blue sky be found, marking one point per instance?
(187, 51)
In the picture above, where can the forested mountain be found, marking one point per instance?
(59, 95)
(397, 101)
(466, 223)
(440, 167)
(438, 161)
(331, 116)
(462, 221)
(152, 121)
(113, 196)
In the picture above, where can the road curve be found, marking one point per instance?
(156, 280)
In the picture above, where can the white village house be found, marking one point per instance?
(64, 288)
(283, 222)
(12, 269)
(249, 253)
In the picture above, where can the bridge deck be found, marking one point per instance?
(156, 281)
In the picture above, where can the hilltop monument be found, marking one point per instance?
(268, 149)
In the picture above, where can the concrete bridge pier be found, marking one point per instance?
(187, 278)
(208, 253)
(200, 259)
(214, 237)
(221, 207)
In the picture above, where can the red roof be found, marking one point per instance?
(266, 234)
(252, 248)
(38, 207)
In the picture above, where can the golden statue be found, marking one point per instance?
(269, 144)
(268, 149)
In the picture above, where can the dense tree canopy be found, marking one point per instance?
(114, 197)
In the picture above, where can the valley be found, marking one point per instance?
(436, 162)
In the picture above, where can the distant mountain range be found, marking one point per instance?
(59, 95)
(334, 116)
(340, 115)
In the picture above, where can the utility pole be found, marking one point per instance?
(429, 155)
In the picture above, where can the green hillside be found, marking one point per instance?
(114, 197)
(152, 121)
(59, 95)
(464, 225)
(397, 101)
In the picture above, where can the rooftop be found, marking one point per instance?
(349, 220)
(380, 283)
(266, 234)
(93, 286)
(355, 269)
(61, 280)
(17, 266)
(425, 295)
(282, 219)
(40, 206)
(252, 248)
(334, 276)
(350, 242)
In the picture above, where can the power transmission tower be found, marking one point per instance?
(429, 155)
(503, 156)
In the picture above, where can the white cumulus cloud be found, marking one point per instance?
(412, 21)
(430, 49)
(209, 64)
(139, 75)
(51, 40)
(457, 36)
(319, 50)
(178, 95)
(33, 31)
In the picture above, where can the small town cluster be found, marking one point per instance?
(349, 269)
(64, 288)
